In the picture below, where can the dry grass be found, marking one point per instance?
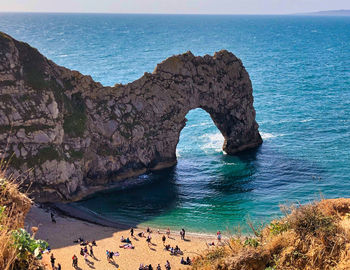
(14, 206)
(314, 236)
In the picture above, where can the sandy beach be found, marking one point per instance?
(60, 236)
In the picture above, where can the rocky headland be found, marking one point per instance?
(67, 136)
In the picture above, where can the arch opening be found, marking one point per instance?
(199, 135)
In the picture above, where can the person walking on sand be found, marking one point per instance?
(158, 267)
(132, 232)
(86, 258)
(168, 232)
(75, 261)
(148, 240)
(183, 234)
(91, 252)
(163, 239)
(52, 260)
(167, 265)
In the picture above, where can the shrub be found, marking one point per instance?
(27, 245)
(309, 219)
(277, 227)
(251, 242)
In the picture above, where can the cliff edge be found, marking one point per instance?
(72, 136)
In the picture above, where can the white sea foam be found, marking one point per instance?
(266, 135)
(212, 142)
(307, 120)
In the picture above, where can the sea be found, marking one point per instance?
(300, 71)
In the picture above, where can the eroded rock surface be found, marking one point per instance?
(69, 135)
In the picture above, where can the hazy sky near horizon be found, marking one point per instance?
(174, 6)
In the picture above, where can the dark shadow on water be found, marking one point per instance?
(156, 194)
(231, 177)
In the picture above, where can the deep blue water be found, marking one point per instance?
(300, 69)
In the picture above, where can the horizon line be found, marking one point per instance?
(315, 13)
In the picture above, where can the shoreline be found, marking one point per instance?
(83, 214)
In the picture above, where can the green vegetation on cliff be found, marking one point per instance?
(18, 249)
(75, 119)
(44, 154)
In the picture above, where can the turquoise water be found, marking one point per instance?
(300, 70)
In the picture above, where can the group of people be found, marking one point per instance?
(173, 251)
(84, 251)
(150, 267)
(186, 262)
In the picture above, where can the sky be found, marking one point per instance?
(174, 6)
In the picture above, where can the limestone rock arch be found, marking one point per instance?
(79, 136)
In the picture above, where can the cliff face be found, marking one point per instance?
(78, 136)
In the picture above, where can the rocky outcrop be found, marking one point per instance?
(69, 135)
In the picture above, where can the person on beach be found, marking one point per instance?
(75, 261)
(219, 236)
(53, 220)
(107, 254)
(150, 267)
(110, 255)
(149, 230)
(86, 258)
(183, 234)
(188, 261)
(85, 250)
(168, 232)
(141, 234)
(148, 240)
(52, 260)
(163, 239)
(132, 232)
(59, 267)
(158, 267)
(167, 265)
(91, 252)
